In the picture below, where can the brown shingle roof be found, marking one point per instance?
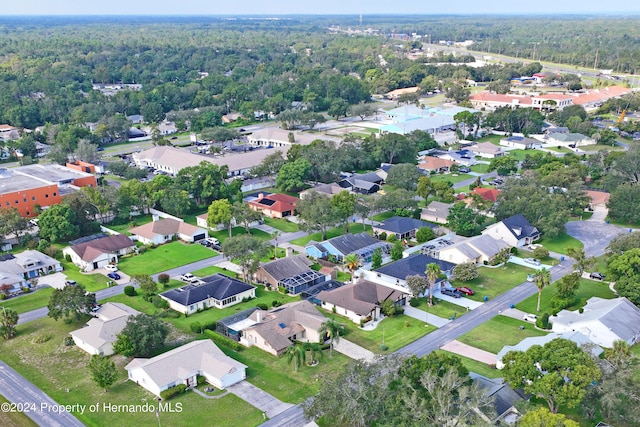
(361, 297)
(90, 250)
(165, 227)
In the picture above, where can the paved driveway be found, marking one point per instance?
(594, 235)
(352, 350)
(259, 398)
(474, 353)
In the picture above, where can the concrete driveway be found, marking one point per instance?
(259, 398)
(55, 280)
(594, 235)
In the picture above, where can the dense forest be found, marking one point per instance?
(215, 65)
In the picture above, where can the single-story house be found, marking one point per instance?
(17, 269)
(274, 205)
(401, 227)
(165, 230)
(524, 345)
(310, 294)
(275, 330)
(520, 142)
(603, 321)
(201, 220)
(516, 231)
(98, 250)
(598, 198)
(217, 291)
(570, 140)
(477, 249)
(486, 150)
(394, 274)
(435, 164)
(436, 212)
(328, 190)
(136, 119)
(361, 244)
(293, 273)
(489, 194)
(367, 183)
(361, 301)
(503, 396)
(394, 94)
(182, 365)
(98, 336)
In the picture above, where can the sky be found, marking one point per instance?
(315, 7)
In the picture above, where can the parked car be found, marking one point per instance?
(189, 278)
(217, 248)
(464, 169)
(530, 277)
(451, 292)
(114, 276)
(70, 282)
(111, 267)
(465, 290)
(205, 243)
(530, 318)
(532, 261)
(212, 240)
(597, 276)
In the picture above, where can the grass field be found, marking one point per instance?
(475, 366)
(135, 222)
(588, 289)
(441, 308)
(494, 334)
(164, 257)
(451, 177)
(91, 282)
(14, 419)
(223, 235)
(61, 372)
(334, 232)
(480, 168)
(28, 302)
(282, 224)
(382, 216)
(561, 243)
(495, 281)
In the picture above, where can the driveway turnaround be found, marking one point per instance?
(474, 353)
(595, 236)
(259, 398)
(33, 402)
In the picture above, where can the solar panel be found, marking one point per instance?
(282, 325)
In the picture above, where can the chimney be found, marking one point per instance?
(260, 196)
(289, 251)
(259, 315)
(155, 217)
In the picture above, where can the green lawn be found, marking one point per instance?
(454, 178)
(164, 257)
(282, 224)
(354, 228)
(208, 271)
(14, 419)
(223, 235)
(208, 316)
(135, 222)
(561, 243)
(382, 216)
(91, 282)
(494, 281)
(60, 372)
(441, 308)
(475, 366)
(519, 154)
(588, 288)
(397, 331)
(30, 301)
(494, 334)
(480, 168)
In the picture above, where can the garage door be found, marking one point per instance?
(199, 237)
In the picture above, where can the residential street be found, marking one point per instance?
(43, 410)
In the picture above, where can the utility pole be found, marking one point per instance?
(595, 63)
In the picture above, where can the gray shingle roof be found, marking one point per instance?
(361, 297)
(348, 243)
(217, 286)
(401, 225)
(287, 267)
(520, 226)
(413, 265)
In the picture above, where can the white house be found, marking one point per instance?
(570, 140)
(182, 365)
(217, 291)
(98, 336)
(602, 321)
(520, 142)
(516, 231)
(476, 249)
(98, 250)
(165, 230)
(17, 269)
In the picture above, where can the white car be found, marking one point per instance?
(111, 267)
(532, 261)
(530, 318)
(531, 277)
(189, 278)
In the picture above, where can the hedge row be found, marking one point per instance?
(172, 391)
(222, 340)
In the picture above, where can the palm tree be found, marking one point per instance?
(314, 350)
(275, 235)
(582, 262)
(542, 278)
(619, 354)
(352, 262)
(333, 330)
(296, 354)
(432, 272)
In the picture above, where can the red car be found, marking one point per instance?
(465, 290)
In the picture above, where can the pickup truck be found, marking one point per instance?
(189, 278)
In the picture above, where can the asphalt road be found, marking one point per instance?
(596, 236)
(29, 399)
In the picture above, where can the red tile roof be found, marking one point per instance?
(434, 163)
(281, 203)
(487, 193)
(600, 95)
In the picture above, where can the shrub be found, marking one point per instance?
(262, 306)
(129, 291)
(276, 303)
(3, 297)
(41, 338)
(414, 302)
(383, 236)
(163, 278)
(159, 302)
(540, 252)
(581, 310)
(282, 289)
(196, 327)
(68, 341)
(26, 290)
(142, 249)
(172, 391)
(514, 251)
(200, 380)
(543, 322)
(384, 347)
(222, 340)
(391, 238)
(558, 304)
(67, 258)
